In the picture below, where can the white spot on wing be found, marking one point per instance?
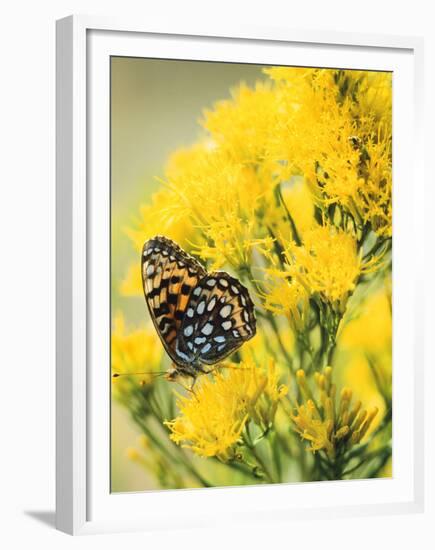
(189, 312)
(200, 308)
(206, 348)
(197, 291)
(207, 329)
(150, 270)
(211, 304)
(188, 331)
(219, 339)
(226, 325)
(226, 311)
(211, 282)
(200, 340)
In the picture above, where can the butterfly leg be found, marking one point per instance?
(214, 369)
(185, 386)
(194, 378)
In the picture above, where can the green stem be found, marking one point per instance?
(181, 457)
(248, 442)
(239, 467)
(290, 219)
(368, 457)
(274, 325)
(272, 439)
(377, 245)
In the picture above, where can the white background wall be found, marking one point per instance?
(27, 417)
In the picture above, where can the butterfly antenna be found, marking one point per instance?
(153, 373)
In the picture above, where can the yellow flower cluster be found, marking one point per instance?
(269, 155)
(165, 215)
(244, 125)
(212, 420)
(284, 295)
(330, 424)
(133, 351)
(335, 130)
(221, 197)
(327, 263)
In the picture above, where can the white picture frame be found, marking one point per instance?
(83, 501)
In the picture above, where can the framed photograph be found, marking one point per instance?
(238, 278)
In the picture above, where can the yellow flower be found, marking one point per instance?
(212, 420)
(284, 295)
(243, 125)
(327, 263)
(334, 129)
(220, 197)
(374, 93)
(166, 215)
(374, 196)
(327, 423)
(136, 351)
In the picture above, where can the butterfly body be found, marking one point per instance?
(201, 317)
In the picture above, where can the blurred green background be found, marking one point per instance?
(155, 108)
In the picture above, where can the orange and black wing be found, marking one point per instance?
(169, 276)
(219, 318)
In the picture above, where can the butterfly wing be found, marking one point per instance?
(219, 318)
(169, 276)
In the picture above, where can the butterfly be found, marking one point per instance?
(200, 317)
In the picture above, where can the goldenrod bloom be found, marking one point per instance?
(329, 424)
(212, 420)
(167, 215)
(219, 197)
(245, 124)
(284, 295)
(136, 351)
(334, 129)
(327, 263)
